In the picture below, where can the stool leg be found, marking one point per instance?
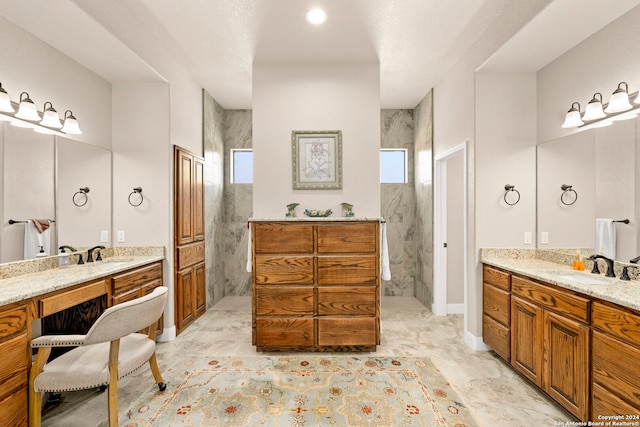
(35, 397)
(153, 362)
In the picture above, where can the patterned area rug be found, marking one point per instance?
(305, 391)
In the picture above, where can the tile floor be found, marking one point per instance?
(494, 393)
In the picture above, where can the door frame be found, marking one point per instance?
(439, 307)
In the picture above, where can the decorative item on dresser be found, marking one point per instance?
(190, 278)
(316, 284)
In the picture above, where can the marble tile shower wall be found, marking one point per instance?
(423, 150)
(238, 207)
(213, 145)
(399, 206)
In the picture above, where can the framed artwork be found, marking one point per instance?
(316, 160)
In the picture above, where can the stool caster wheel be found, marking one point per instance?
(162, 386)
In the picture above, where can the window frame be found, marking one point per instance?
(406, 164)
(232, 152)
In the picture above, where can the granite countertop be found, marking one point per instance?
(623, 292)
(318, 218)
(24, 286)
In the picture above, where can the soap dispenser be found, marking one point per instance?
(41, 253)
(63, 258)
(578, 263)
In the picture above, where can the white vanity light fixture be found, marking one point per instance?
(316, 16)
(594, 109)
(5, 101)
(573, 119)
(619, 100)
(50, 117)
(70, 124)
(27, 109)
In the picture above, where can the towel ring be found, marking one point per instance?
(566, 191)
(511, 188)
(136, 190)
(78, 197)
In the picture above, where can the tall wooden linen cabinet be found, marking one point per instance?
(189, 262)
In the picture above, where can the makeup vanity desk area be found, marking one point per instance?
(54, 291)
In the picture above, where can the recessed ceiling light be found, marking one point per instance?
(316, 16)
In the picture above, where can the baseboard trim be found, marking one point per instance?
(474, 342)
(455, 308)
(168, 334)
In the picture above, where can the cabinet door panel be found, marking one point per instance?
(566, 370)
(281, 270)
(348, 301)
(526, 339)
(184, 197)
(200, 288)
(198, 199)
(342, 331)
(184, 298)
(284, 300)
(285, 332)
(275, 238)
(351, 238)
(497, 336)
(347, 270)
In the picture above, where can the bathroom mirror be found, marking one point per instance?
(602, 166)
(39, 175)
(83, 193)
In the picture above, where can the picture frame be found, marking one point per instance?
(316, 158)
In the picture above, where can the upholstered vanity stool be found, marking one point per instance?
(110, 350)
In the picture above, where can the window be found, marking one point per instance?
(241, 166)
(393, 165)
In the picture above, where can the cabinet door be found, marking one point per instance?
(184, 298)
(526, 339)
(566, 370)
(184, 187)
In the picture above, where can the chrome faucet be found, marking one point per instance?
(90, 253)
(610, 272)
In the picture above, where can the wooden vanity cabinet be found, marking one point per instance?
(132, 284)
(14, 364)
(550, 341)
(496, 310)
(615, 371)
(316, 285)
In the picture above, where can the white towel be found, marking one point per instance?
(33, 239)
(384, 253)
(249, 249)
(605, 238)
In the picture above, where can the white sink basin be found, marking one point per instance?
(580, 277)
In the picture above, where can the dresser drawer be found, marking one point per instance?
(68, 299)
(136, 278)
(13, 321)
(283, 270)
(275, 238)
(496, 304)
(347, 270)
(622, 323)
(497, 278)
(347, 331)
(614, 366)
(284, 300)
(13, 363)
(564, 302)
(291, 332)
(345, 301)
(497, 336)
(348, 238)
(13, 409)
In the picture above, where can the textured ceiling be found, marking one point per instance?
(217, 41)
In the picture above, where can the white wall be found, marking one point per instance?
(289, 97)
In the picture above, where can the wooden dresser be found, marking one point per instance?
(316, 285)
